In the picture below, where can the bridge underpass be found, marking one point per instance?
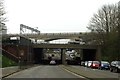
(87, 52)
(45, 55)
(38, 54)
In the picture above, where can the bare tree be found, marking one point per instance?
(104, 21)
(118, 27)
(104, 26)
(2, 13)
(118, 19)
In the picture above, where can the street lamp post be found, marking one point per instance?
(19, 62)
(21, 59)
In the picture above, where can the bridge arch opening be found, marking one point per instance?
(38, 55)
(89, 54)
(59, 41)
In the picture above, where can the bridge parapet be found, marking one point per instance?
(50, 36)
(65, 46)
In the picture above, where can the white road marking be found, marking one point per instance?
(74, 73)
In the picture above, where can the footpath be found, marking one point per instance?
(4, 72)
(8, 71)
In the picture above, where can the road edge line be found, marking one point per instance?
(74, 73)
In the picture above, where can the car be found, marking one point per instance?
(95, 64)
(86, 63)
(115, 66)
(89, 63)
(82, 63)
(52, 62)
(104, 65)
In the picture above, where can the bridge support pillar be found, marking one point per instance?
(81, 54)
(78, 52)
(98, 54)
(63, 56)
(78, 55)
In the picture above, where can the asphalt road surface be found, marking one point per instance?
(44, 71)
(98, 73)
(51, 71)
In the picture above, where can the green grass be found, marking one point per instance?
(6, 62)
(0, 60)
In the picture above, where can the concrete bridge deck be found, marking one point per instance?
(49, 36)
(77, 46)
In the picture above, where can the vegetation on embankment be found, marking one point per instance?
(6, 62)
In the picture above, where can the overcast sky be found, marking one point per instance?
(51, 16)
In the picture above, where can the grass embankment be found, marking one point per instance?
(6, 62)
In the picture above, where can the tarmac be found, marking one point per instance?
(85, 72)
(81, 71)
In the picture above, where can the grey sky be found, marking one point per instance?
(52, 15)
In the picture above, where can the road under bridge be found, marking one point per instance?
(87, 52)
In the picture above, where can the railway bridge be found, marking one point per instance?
(33, 52)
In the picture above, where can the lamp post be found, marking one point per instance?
(21, 58)
(19, 62)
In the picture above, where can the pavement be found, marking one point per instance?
(8, 70)
(4, 72)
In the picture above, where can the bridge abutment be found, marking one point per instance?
(63, 56)
(98, 54)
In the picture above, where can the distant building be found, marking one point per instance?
(3, 28)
